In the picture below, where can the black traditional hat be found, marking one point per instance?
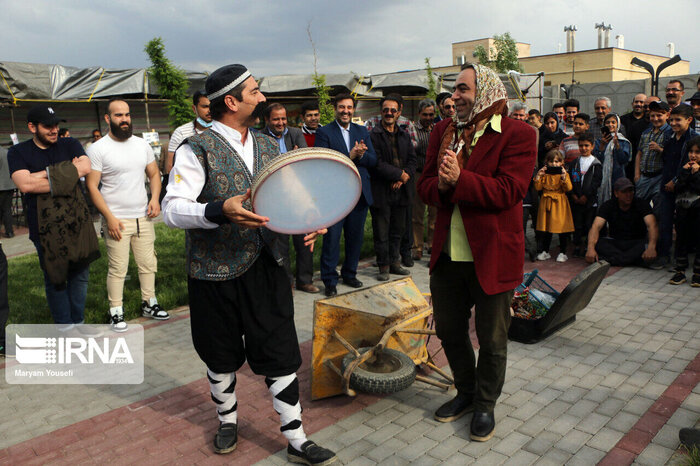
(224, 79)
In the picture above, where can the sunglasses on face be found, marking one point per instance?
(450, 106)
(390, 110)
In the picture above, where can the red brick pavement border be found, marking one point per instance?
(643, 432)
(177, 426)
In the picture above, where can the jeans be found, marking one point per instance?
(66, 301)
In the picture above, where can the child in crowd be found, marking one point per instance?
(614, 152)
(586, 176)
(687, 190)
(679, 120)
(554, 213)
(569, 145)
(648, 166)
(551, 135)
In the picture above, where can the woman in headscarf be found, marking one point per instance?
(476, 173)
(614, 151)
(551, 136)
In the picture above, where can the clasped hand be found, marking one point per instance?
(358, 150)
(448, 171)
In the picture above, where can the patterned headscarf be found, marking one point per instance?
(491, 99)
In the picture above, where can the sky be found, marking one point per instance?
(362, 36)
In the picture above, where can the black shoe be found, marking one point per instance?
(689, 437)
(331, 290)
(695, 282)
(658, 263)
(311, 454)
(9, 235)
(455, 408)
(352, 282)
(407, 261)
(226, 438)
(396, 269)
(678, 278)
(482, 427)
(383, 274)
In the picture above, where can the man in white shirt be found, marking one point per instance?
(200, 107)
(241, 304)
(119, 161)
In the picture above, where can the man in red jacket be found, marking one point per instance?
(477, 170)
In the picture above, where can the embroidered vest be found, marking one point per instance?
(228, 251)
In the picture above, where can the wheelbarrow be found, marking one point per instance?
(371, 340)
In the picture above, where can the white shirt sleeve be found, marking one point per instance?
(150, 155)
(95, 158)
(180, 206)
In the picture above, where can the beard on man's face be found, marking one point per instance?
(121, 132)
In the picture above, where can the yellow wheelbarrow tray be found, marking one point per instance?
(372, 338)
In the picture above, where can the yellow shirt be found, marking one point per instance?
(457, 243)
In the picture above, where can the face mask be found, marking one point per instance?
(203, 123)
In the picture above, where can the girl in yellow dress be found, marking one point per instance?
(554, 213)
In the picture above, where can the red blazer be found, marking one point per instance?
(489, 191)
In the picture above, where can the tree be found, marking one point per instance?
(432, 84)
(504, 53)
(172, 83)
(325, 108)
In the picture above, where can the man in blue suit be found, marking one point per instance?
(352, 140)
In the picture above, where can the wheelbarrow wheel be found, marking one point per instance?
(387, 372)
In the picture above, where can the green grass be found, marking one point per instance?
(688, 457)
(26, 281)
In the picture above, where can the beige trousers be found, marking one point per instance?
(140, 234)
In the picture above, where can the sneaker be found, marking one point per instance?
(658, 263)
(226, 438)
(88, 331)
(695, 282)
(154, 312)
(117, 320)
(396, 269)
(678, 278)
(311, 454)
(562, 257)
(543, 256)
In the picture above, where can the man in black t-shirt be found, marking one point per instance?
(632, 229)
(28, 161)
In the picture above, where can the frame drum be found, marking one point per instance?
(305, 190)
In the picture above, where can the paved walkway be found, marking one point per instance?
(614, 387)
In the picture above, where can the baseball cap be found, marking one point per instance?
(659, 105)
(43, 114)
(622, 184)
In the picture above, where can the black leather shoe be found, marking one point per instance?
(407, 261)
(331, 290)
(226, 438)
(482, 427)
(396, 269)
(352, 282)
(455, 408)
(311, 454)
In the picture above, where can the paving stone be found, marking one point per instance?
(427, 460)
(638, 405)
(385, 450)
(593, 423)
(654, 455)
(542, 443)
(383, 418)
(362, 461)
(521, 458)
(581, 408)
(459, 459)
(535, 425)
(558, 456)
(573, 441)
(563, 424)
(683, 418)
(572, 394)
(355, 434)
(417, 448)
(511, 443)
(555, 409)
(526, 411)
(667, 437)
(586, 456)
(354, 450)
(605, 439)
(446, 448)
(382, 434)
(411, 433)
(492, 458)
